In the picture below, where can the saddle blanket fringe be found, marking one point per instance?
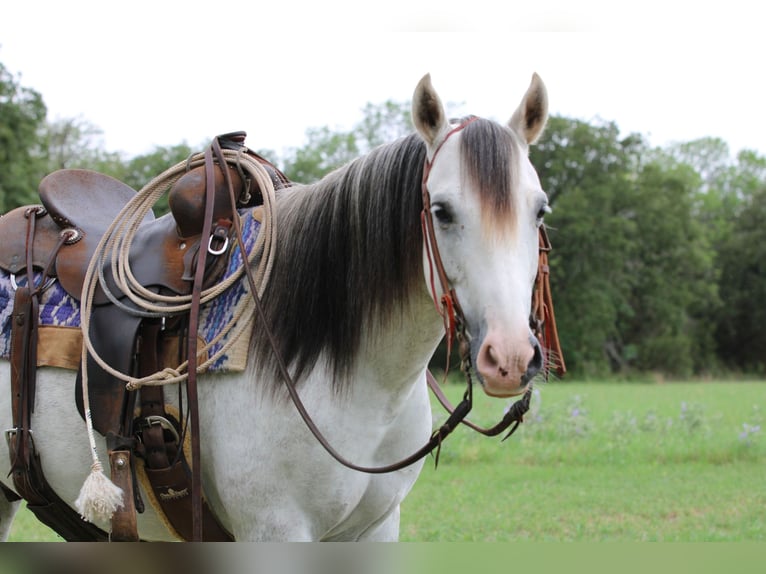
(60, 338)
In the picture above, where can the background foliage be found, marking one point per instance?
(659, 261)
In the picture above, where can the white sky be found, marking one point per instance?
(162, 72)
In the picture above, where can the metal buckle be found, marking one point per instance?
(221, 250)
(162, 422)
(48, 283)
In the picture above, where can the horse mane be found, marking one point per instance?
(349, 248)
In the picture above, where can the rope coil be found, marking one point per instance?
(99, 498)
(114, 249)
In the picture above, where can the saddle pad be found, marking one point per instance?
(60, 316)
(59, 337)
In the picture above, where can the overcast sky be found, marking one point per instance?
(163, 72)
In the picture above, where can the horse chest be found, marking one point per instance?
(285, 486)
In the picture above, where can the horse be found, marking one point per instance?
(353, 306)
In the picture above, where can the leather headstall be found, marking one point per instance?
(542, 319)
(455, 328)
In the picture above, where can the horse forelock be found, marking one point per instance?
(348, 257)
(490, 156)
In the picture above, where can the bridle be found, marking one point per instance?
(542, 320)
(455, 329)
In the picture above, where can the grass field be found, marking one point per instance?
(604, 462)
(593, 462)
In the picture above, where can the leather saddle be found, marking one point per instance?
(82, 205)
(60, 238)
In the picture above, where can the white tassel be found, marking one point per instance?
(99, 497)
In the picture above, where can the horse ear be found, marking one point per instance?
(530, 117)
(427, 112)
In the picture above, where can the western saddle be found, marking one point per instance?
(58, 240)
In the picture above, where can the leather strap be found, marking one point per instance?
(124, 521)
(26, 469)
(166, 468)
(23, 356)
(23, 370)
(454, 324)
(543, 315)
(191, 383)
(514, 415)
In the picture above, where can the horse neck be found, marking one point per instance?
(348, 264)
(395, 355)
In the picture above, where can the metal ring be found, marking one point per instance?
(164, 423)
(48, 283)
(220, 251)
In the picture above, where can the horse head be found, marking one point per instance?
(486, 205)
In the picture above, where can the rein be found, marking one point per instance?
(448, 307)
(454, 322)
(455, 328)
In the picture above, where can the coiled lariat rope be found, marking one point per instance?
(99, 497)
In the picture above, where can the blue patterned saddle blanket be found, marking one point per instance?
(60, 338)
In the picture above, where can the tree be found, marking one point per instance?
(22, 113)
(587, 172)
(729, 204)
(74, 143)
(326, 149)
(633, 268)
(674, 287)
(741, 256)
(709, 157)
(383, 123)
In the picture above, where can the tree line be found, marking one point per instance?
(659, 260)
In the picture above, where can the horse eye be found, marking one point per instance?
(442, 214)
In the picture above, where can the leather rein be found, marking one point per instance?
(455, 328)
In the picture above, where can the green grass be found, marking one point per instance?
(603, 462)
(593, 462)
(26, 528)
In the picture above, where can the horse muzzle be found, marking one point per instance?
(505, 367)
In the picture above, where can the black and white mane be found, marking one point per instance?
(349, 249)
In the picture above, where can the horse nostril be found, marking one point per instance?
(489, 362)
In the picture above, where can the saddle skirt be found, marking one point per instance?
(60, 337)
